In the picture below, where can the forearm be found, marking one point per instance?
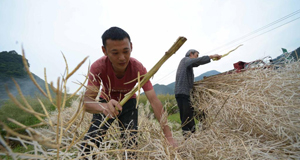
(162, 118)
(198, 61)
(92, 106)
(89, 102)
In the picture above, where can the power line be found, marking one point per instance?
(272, 29)
(264, 32)
(257, 30)
(251, 33)
(165, 76)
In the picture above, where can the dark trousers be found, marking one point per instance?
(186, 113)
(128, 120)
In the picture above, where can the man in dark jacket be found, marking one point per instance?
(184, 84)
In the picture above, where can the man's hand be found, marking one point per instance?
(111, 109)
(172, 141)
(215, 57)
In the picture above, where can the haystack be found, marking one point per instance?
(250, 115)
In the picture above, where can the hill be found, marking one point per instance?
(11, 66)
(25, 83)
(206, 74)
(169, 89)
(163, 89)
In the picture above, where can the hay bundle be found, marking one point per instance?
(250, 115)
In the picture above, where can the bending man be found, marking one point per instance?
(184, 84)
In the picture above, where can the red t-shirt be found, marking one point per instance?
(114, 87)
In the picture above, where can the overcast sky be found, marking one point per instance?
(46, 28)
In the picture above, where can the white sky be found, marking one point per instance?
(47, 28)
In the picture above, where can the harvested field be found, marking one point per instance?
(250, 115)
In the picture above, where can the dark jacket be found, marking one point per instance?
(185, 74)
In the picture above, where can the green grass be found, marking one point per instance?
(22, 149)
(168, 101)
(174, 118)
(10, 110)
(18, 149)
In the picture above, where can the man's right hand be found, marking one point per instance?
(215, 57)
(111, 109)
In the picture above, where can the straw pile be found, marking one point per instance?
(251, 115)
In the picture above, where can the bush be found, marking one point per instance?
(10, 110)
(168, 101)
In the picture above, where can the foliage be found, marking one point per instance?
(167, 100)
(10, 110)
(174, 118)
(20, 149)
(11, 65)
(142, 99)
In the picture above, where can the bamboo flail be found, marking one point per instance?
(180, 41)
(215, 59)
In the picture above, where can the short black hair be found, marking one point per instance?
(114, 33)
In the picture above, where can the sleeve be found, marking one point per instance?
(148, 85)
(195, 62)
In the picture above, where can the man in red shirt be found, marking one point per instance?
(112, 72)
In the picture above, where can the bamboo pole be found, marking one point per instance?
(215, 59)
(180, 41)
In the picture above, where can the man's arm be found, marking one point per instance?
(158, 112)
(92, 106)
(195, 62)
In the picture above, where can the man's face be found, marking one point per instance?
(195, 55)
(118, 52)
